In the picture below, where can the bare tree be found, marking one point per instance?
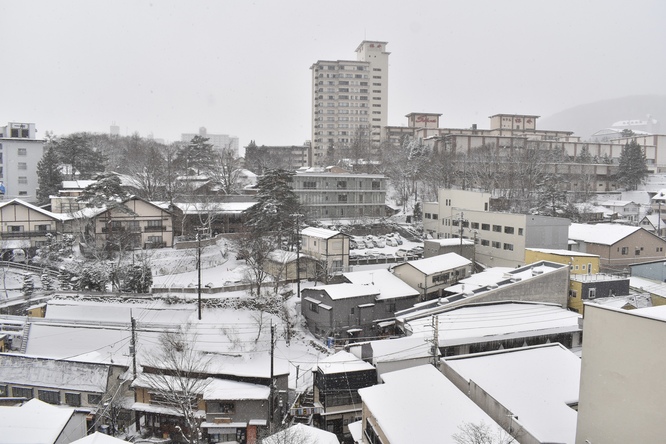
(225, 170)
(176, 375)
(481, 433)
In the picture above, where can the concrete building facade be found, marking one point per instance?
(500, 238)
(20, 152)
(621, 386)
(326, 195)
(349, 100)
(219, 141)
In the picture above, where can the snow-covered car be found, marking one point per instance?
(391, 242)
(401, 252)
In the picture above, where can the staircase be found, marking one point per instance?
(24, 338)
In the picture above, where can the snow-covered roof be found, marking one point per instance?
(536, 384)
(451, 242)
(100, 438)
(398, 349)
(342, 362)
(615, 203)
(301, 433)
(658, 312)
(389, 285)
(422, 398)
(33, 422)
(51, 373)
(76, 184)
(189, 208)
(56, 216)
(494, 321)
(603, 234)
(321, 233)
(438, 263)
(566, 253)
(100, 332)
(345, 291)
(642, 284)
(589, 208)
(227, 390)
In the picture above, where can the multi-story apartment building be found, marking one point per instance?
(340, 195)
(20, 151)
(219, 141)
(500, 238)
(349, 100)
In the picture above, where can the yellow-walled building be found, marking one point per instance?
(579, 263)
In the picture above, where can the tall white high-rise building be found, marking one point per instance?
(349, 102)
(219, 141)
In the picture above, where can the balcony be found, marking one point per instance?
(154, 228)
(26, 234)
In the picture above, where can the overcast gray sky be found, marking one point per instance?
(242, 68)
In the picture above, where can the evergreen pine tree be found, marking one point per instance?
(48, 176)
(632, 169)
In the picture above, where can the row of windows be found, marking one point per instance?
(496, 244)
(50, 396)
(20, 228)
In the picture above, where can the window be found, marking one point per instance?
(508, 230)
(485, 243)
(520, 231)
(342, 184)
(444, 277)
(23, 180)
(485, 227)
(475, 225)
(376, 185)
(508, 247)
(94, 399)
(314, 307)
(133, 226)
(435, 216)
(22, 152)
(353, 309)
(23, 193)
(43, 227)
(497, 245)
(574, 293)
(227, 407)
(22, 166)
(342, 198)
(3, 391)
(497, 228)
(49, 396)
(625, 251)
(309, 185)
(15, 228)
(637, 252)
(22, 392)
(73, 399)
(154, 239)
(592, 293)
(154, 225)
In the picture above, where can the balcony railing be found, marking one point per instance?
(153, 228)
(25, 234)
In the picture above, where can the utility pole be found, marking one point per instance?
(435, 341)
(271, 404)
(199, 271)
(133, 346)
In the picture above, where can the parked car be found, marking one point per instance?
(391, 242)
(379, 243)
(401, 252)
